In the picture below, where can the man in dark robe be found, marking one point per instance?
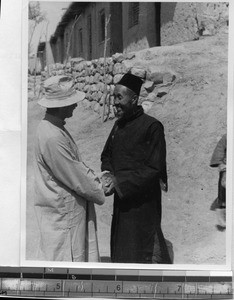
(134, 158)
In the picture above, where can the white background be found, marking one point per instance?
(10, 131)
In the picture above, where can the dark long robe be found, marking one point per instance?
(135, 153)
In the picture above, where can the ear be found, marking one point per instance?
(135, 99)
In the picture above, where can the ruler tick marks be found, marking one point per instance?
(82, 286)
(155, 288)
(89, 287)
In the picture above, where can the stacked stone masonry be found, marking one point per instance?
(97, 77)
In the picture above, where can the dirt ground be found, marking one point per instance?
(194, 115)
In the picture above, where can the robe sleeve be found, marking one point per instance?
(140, 180)
(219, 154)
(107, 151)
(65, 167)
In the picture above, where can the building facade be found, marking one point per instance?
(141, 25)
(81, 33)
(132, 26)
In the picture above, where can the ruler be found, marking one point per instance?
(106, 283)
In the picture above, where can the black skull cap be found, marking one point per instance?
(132, 82)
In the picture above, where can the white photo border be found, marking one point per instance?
(100, 265)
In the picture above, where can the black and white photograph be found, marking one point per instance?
(127, 133)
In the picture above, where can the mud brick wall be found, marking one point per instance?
(188, 21)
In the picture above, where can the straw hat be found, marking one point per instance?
(60, 92)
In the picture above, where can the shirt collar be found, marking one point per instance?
(139, 111)
(55, 120)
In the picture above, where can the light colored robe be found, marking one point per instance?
(65, 193)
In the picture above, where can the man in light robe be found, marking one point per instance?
(65, 188)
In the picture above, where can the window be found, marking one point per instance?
(80, 39)
(102, 26)
(133, 14)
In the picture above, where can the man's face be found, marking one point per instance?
(123, 102)
(68, 110)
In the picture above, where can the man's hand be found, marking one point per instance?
(163, 185)
(222, 167)
(109, 190)
(108, 183)
(223, 179)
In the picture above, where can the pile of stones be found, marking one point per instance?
(97, 78)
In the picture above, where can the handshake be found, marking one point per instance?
(108, 183)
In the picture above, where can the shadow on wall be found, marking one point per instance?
(168, 14)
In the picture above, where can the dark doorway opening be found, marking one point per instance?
(89, 25)
(158, 22)
(116, 31)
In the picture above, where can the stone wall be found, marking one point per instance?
(89, 78)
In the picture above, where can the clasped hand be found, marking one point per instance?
(108, 183)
